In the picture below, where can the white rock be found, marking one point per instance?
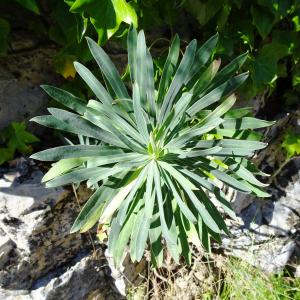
(6, 245)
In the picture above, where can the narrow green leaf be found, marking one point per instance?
(183, 207)
(114, 203)
(258, 191)
(72, 151)
(113, 236)
(246, 123)
(81, 126)
(103, 173)
(149, 85)
(115, 109)
(65, 98)
(94, 84)
(108, 69)
(63, 166)
(92, 210)
(119, 135)
(212, 211)
(191, 133)
(155, 236)
(120, 123)
(180, 76)
(123, 238)
(203, 181)
(221, 109)
(122, 214)
(131, 48)
(225, 204)
(139, 235)
(175, 116)
(202, 56)
(169, 67)
(235, 152)
(206, 77)
(170, 239)
(216, 94)
(205, 152)
(141, 66)
(113, 158)
(177, 175)
(232, 143)
(73, 177)
(52, 122)
(183, 238)
(229, 70)
(149, 195)
(234, 183)
(237, 113)
(203, 235)
(139, 117)
(204, 213)
(243, 173)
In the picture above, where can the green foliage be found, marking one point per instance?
(30, 5)
(105, 15)
(15, 138)
(243, 281)
(155, 157)
(268, 29)
(265, 30)
(291, 144)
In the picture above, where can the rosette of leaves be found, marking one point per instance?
(157, 156)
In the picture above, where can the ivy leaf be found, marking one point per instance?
(279, 8)
(106, 15)
(203, 11)
(296, 21)
(265, 67)
(18, 138)
(262, 20)
(64, 29)
(15, 137)
(291, 144)
(30, 5)
(264, 70)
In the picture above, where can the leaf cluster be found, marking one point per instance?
(15, 138)
(156, 157)
(268, 29)
(291, 143)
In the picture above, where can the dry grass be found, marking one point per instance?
(213, 277)
(198, 281)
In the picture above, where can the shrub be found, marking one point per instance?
(155, 159)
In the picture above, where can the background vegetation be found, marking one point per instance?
(267, 29)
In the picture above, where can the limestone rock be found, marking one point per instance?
(39, 258)
(36, 221)
(21, 75)
(6, 245)
(83, 278)
(266, 232)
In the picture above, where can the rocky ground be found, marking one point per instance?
(266, 234)
(39, 259)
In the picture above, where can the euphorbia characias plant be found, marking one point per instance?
(155, 154)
